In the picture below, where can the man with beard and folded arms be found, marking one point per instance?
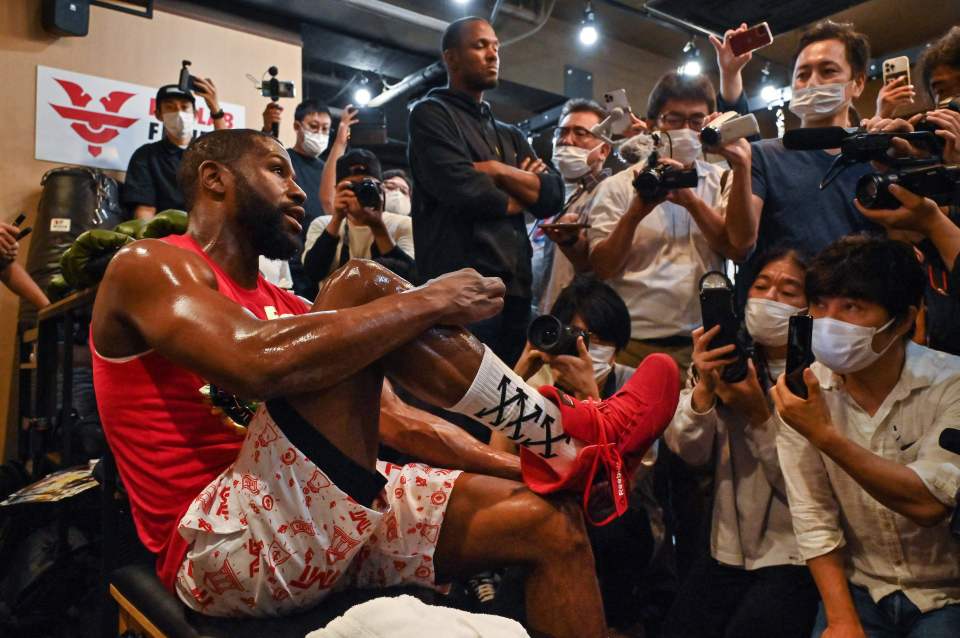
(269, 520)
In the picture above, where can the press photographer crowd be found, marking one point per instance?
(673, 380)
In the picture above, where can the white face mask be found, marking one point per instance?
(571, 161)
(396, 202)
(315, 143)
(822, 100)
(180, 125)
(683, 145)
(601, 356)
(768, 321)
(846, 347)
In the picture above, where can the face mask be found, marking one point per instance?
(683, 145)
(396, 202)
(571, 161)
(768, 321)
(601, 356)
(845, 347)
(180, 125)
(822, 100)
(315, 143)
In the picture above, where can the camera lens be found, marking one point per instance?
(870, 189)
(544, 332)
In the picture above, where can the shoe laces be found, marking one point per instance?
(607, 454)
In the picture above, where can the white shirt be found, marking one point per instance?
(399, 227)
(668, 256)
(886, 552)
(277, 272)
(752, 527)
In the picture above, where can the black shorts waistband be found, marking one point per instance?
(358, 482)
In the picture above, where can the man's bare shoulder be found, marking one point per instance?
(148, 263)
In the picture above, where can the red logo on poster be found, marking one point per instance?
(95, 127)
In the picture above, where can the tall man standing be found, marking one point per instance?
(474, 178)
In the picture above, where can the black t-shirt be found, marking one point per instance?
(152, 177)
(942, 296)
(308, 171)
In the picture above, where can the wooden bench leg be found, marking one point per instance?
(131, 620)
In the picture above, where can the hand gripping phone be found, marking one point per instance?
(716, 307)
(799, 352)
(752, 39)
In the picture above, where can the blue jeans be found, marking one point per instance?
(896, 617)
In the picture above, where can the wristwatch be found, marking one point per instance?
(217, 116)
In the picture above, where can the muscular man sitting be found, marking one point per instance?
(269, 520)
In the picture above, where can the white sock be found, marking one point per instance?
(502, 401)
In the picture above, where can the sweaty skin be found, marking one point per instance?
(331, 365)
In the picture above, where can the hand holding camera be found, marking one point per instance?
(203, 87)
(361, 201)
(349, 117)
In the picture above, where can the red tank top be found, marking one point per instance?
(168, 446)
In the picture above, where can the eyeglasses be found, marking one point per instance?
(579, 133)
(675, 121)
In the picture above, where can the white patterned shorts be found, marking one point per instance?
(272, 534)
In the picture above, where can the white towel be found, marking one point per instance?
(409, 617)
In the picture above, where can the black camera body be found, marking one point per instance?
(656, 180)
(938, 182)
(369, 192)
(951, 103)
(276, 89)
(716, 308)
(185, 83)
(550, 335)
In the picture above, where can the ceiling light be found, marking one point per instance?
(691, 59)
(460, 1)
(362, 96)
(769, 93)
(588, 27)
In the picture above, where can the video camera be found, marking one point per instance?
(276, 89)
(369, 192)
(550, 335)
(186, 81)
(656, 180)
(729, 127)
(927, 177)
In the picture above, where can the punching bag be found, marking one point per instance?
(74, 199)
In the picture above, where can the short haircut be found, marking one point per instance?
(943, 52)
(855, 44)
(307, 107)
(598, 305)
(225, 146)
(397, 172)
(875, 269)
(359, 161)
(674, 86)
(583, 105)
(453, 34)
(778, 252)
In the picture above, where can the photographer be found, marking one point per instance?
(399, 190)
(579, 156)
(311, 123)
(753, 582)
(355, 230)
(151, 181)
(870, 489)
(940, 66)
(782, 203)
(653, 253)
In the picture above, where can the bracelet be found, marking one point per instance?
(217, 116)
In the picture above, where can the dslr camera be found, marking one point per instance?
(185, 83)
(369, 192)
(656, 180)
(549, 334)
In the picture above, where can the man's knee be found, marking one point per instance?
(558, 527)
(357, 282)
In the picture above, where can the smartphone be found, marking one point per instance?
(894, 68)
(799, 352)
(716, 308)
(752, 39)
(282, 88)
(185, 83)
(617, 99)
(370, 129)
(565, 226)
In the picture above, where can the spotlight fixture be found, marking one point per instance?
(768, 92)
(588, 26)
(691, 59)
(362, 95)
(461, 2)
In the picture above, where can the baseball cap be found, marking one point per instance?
(358, 161)
(172, 91)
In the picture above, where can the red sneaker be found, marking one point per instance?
(617, 431)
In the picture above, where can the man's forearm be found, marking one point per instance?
(609, 257)
(742, 221)
(945, 236)
(20, 283)
(520, 184)
(895, 486)
(731, 86)
(429, 438)
(830, 576)
(579, 254)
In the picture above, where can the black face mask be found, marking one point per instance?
(263, 222)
